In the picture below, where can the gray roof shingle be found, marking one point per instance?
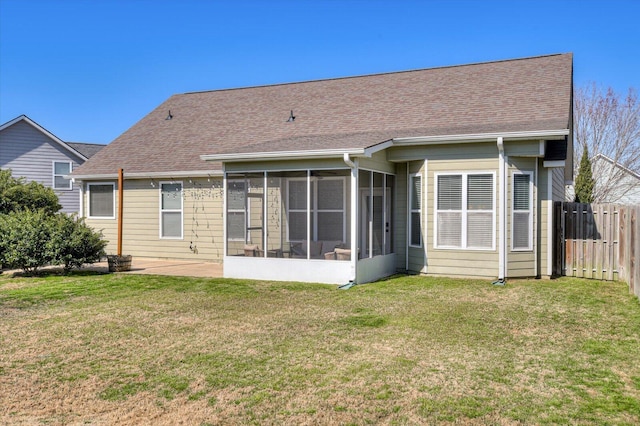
(86, 149)
(531, 94)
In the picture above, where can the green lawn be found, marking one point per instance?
(129, 349)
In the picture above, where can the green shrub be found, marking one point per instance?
(24, 237)
(32, 239)
(73, 243)
(16, 194)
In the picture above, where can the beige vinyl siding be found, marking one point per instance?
(521, 263)
(417, 255)
(458, 262)
(282, 165)
(532, 148)
(378, 162)
(202, 221)
(400, 217)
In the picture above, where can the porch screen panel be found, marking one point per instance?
(522, 214)
(330, 209)
(480, 211)
(236, 199)
(388, 226)
(297, 202)
(378, 214)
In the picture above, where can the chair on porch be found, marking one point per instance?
(252, 250)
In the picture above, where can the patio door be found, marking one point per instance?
(375, 217)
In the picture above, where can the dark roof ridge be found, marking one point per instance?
(371, 75)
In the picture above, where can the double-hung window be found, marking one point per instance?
(60, 170)
(170, 209)
(521, 212)
(415, 203)
(102, 200)
(465, 211)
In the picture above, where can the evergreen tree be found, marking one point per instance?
(584, 180)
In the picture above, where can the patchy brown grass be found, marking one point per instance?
(119, 349)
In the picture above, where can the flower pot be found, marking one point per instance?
(119, 263)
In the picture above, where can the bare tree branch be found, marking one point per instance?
(608, 124)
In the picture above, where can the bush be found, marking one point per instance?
(73, 243)
(32, 239)
(16, 194)
(24, 236)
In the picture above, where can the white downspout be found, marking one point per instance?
(353, 217)
(502, 211)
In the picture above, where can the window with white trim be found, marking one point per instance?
(465, 211)
(101, 200)
(60, 170)
(171, 210)
(521, 212)
(236, 218)
(415, 210)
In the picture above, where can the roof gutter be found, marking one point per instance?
(482, 137)
(150, 175)
(283, 155)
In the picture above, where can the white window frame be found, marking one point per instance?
(54, 175)
(113, 191)
(244, 210)
(412, 176)
(529, 211)
(464, 211)
(314, 206)
(161, 210)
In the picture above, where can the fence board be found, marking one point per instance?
(599, 241)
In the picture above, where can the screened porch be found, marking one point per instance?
(308, 225)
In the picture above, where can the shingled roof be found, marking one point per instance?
(520, 95)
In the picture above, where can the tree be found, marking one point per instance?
(608, 124)
(584, 180)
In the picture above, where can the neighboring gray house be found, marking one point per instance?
(614, 182)
(32, 152)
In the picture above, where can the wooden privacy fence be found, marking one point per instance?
(597, 241)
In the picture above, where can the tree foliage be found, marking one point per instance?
(584, 181)
(608, 124)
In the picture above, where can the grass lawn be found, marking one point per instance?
(130, 349)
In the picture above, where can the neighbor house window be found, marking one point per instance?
(415, 204)
(170, 209)
(465, 213)
(60, 170)
(521, 213)
(102, 200)
(236, 222)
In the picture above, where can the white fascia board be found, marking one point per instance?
(555, 163)
(154, 175)
(482, 137)
(368, 152)
(282, 155)
(45, 132)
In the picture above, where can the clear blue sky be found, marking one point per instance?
(88, 70)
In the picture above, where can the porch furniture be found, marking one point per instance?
(252, 250)
(317, 249)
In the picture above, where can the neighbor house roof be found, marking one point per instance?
(353, 113)
(86, 149)
(65, 145)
